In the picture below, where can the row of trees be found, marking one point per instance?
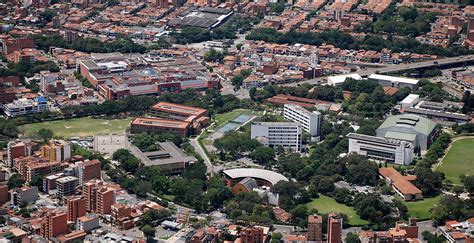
(346, 41)
(88, 44)
(237, 24)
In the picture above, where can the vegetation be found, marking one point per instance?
(405, 21)
(421, 209)
(325, 204)
(237, 24)
(15, 181)
(28, 69)
(88, 44)
(346, 41)
(458, 161)
(147, 141)
(127, 161)
(452, 208)
(83, 127)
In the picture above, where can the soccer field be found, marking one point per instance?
(326, 205)
(79, 127)
(459, 160)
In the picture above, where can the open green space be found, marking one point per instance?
(459, 160)
(325, 204)
(420, 209)
(79, 127)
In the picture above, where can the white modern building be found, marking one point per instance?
(310, 121)
(382, 149)
(25, 107)
(396, 82)
(340, 79)
(409, 101)
(274, 134)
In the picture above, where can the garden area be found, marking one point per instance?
(421, 209)
(325, 204)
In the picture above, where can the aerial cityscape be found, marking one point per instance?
(245, 121)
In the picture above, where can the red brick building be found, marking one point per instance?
(76, 207)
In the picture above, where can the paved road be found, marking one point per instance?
(195, 143)
(399, 67)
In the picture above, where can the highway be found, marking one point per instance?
(400, 67)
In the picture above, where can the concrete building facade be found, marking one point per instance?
(274, 134)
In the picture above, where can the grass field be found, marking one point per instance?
(81, 127)
(326, 204)
(459, 160)
(420, 209)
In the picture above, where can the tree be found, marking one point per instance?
(45, 134)
(352, 238)
(263, 155)
(15, 181)
(37, 181)
(148, 232)
(214, 56)
(469, 183)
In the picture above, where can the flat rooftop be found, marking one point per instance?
(158, 122)
(393, 79)
(166, 153)
(179, 109)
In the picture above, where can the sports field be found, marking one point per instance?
(420, 209)
(79, 127)
(326, 205)
(459, 160)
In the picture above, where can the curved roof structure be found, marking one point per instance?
(267, 175)
(417, 123)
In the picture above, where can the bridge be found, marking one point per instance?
(439, 63)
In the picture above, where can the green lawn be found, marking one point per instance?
(420, 209)
(459, 160)
(82, 127)
(326, 205)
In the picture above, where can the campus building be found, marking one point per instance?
(310, 121)
(274, 134)
(401, 184)
(174, 118)
(395, 82)
(391, 150)
(167, 156)
(411, 128)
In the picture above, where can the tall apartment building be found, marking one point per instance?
(251, 235)
(76, 208)
(20, 148)
(334, 228)
(274, 134)
(310, 121)
(4, 194)
(88, 170)
(379, 148)
(315, 229)
(99, 197)
(24, 194)
(54, 224)
(56, 150)
(66, 186)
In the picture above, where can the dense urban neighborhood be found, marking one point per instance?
(245, 121)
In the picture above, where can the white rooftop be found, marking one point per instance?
(339, 79)
(410, 98)
(394, 79)
(267, 175)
